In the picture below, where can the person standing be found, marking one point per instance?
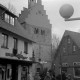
(47, 77)
(37, 76)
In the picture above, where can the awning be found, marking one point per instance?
(16, 62)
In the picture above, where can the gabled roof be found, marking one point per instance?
(74, 35)
(6, 10)
(16, 29)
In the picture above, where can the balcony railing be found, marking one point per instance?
(14, 51)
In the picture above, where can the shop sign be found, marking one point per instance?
(19, 56)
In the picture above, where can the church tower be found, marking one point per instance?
(31, 3)
(37, 25)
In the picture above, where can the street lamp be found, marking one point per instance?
(66, 11)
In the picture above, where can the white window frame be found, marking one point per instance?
(7, 18)
(64, 64)
(5, 40)
(74, 70)
(74, 48)
(15, 43)
(26, 47)
(11, 20)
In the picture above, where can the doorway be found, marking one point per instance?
(14, 72)
(2, 72)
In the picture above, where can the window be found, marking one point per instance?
(15, 43)
(64, 67)
(36, 30)
(5, 41)
(76, 69)
(26, 47)
(74, 48)
(11, 20)
(42, 32)
(68, 40)
(7, 18)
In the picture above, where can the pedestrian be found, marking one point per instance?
(64, 77)
(47, 77)
(28, 76)
(31, 76)
(69, 77)
(37, 76)
(53, 78)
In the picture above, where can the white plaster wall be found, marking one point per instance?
(11, 45)
(42, 22)
(30, 50)
(19, 72)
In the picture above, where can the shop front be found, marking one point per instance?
(14, 69)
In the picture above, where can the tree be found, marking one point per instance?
(55, 41)
(55, 44)
(11, 8)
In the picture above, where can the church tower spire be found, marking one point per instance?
(31, 3)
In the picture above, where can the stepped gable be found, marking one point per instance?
(35, 15)
(23, 15)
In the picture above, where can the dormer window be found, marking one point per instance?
(6, 17)
(5, 41)
(9, 19)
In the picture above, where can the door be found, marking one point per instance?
(2, 73)
(14, 72)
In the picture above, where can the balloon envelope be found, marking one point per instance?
(66, 11)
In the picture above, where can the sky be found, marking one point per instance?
(52, 10)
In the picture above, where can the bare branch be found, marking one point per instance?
(11, 8)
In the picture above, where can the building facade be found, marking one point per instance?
(67, 57)
(16, 49)
(39, 29)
